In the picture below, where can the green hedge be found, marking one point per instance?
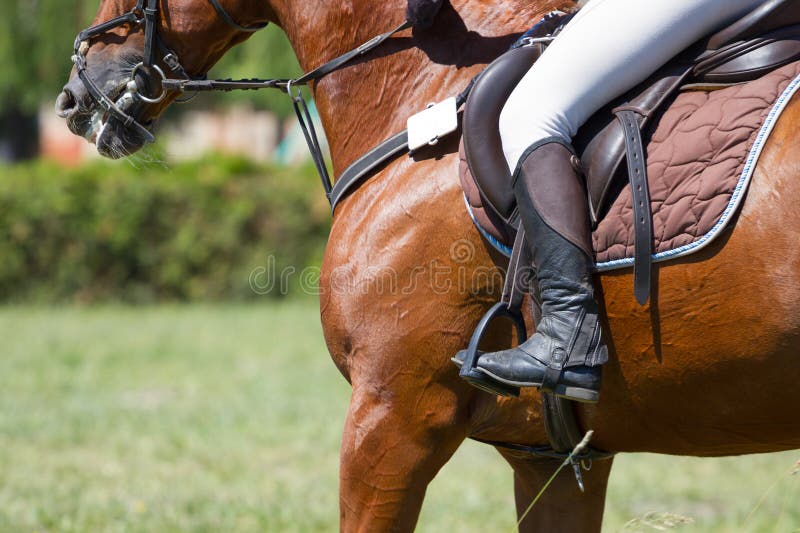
(120, 232)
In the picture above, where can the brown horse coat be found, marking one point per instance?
(709, 368)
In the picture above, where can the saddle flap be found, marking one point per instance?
(482, 144)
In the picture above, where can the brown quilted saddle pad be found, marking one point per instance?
(701, 156)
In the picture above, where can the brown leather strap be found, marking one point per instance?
(561, 423)
(555, 367)
(519, 276)
(643, 217)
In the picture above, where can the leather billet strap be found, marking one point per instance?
(640, 194)
(518, 276)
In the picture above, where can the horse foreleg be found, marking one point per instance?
(391, 450)
(562, 507)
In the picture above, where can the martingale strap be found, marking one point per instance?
(366, 165)
(312, 139)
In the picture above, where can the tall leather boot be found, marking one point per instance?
(565, 353)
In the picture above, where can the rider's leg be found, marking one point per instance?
(604, 51)
(565, 354)
(608, 48)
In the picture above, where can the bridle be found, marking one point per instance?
(145, 15)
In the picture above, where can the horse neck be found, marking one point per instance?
(371, 99)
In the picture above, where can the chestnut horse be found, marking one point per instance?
(710, 368)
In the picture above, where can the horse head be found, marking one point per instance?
(112, 55)
(115, 92)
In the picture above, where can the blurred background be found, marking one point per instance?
(154, 378)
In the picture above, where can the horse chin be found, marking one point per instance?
(112, 139)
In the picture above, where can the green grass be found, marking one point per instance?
(227, 418)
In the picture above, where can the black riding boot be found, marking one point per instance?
(565, 353)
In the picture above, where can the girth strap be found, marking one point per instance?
(642, 213)
(367, 165)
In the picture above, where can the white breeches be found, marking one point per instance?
(607, 49)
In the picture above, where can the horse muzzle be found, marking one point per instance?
(88, 119)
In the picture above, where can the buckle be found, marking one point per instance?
(138, 93)
(173, 62)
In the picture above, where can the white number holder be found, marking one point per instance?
(427, 127)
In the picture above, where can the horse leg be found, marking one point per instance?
(562, 507)
(397, 303)
(389, 456)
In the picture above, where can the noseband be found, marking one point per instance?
(145, 15)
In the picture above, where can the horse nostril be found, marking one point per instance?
(66, 104)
